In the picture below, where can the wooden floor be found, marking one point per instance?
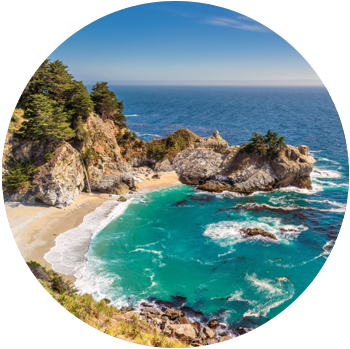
(319, 319)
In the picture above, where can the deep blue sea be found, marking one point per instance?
(167, 250)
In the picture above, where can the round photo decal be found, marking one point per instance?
(175, 174)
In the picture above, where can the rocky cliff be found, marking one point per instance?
(59, 176)
(113, 159)
(108, 171)
(214, 166)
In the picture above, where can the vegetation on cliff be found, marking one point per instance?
(100, 315)
(264, 144)
(169, 147)
(106, 103)
(20, 176)
(56, 108)
(55, 105)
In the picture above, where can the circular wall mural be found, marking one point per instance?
(175, 174)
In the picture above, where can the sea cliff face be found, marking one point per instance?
(108, 171)
(59, 176)
(113, 164)
(58, 179)
(214, 166)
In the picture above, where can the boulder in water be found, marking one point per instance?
(250, 232)
(122, 199)
(196, 325)
(213, 324)
(283, 279)
(242, 330)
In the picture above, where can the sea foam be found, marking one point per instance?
(274, 294)
(227, 233)
(69, 254)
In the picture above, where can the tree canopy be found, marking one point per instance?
(46, 121)
(55, 105)
(106, 103)
(270, 142)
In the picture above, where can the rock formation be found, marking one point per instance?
(260, 207)
(60, 176)
(214, 166)
(108, 172)
(114, 167)
(250, 232)
(58, 181)
(174, 323)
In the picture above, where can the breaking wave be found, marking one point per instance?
(228, 233)
(274, 294)
(68, 256)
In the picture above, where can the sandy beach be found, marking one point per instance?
(36, 226)
(168, 179)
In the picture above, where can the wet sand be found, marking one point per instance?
(36, 226)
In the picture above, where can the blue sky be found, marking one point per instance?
(182, 43)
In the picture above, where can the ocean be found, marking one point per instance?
(183, 246)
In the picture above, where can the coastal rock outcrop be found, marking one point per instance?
(58, 179)
(221, 168)
(59, 176)
(174, 323)
(214, 142)
(250, 232)
(208, 162)
(260, 207)
(196, 166)
(108, 172)
(163, 166)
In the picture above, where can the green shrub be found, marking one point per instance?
(46, 121)
(106, 103)
(49, 155)
(80, 132)
(34, 263)
(90, 154)
(169, 147)
(262, 144)
(20, 175)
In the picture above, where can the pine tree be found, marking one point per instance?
(51, 79)
(46, 121)
(79, 103)
(257, 143)
(106, 103)
(79, 106)
(269, 142)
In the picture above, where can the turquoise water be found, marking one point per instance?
(185, 243)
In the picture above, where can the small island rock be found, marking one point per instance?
(250, 232)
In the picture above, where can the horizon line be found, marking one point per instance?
(218, 83)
